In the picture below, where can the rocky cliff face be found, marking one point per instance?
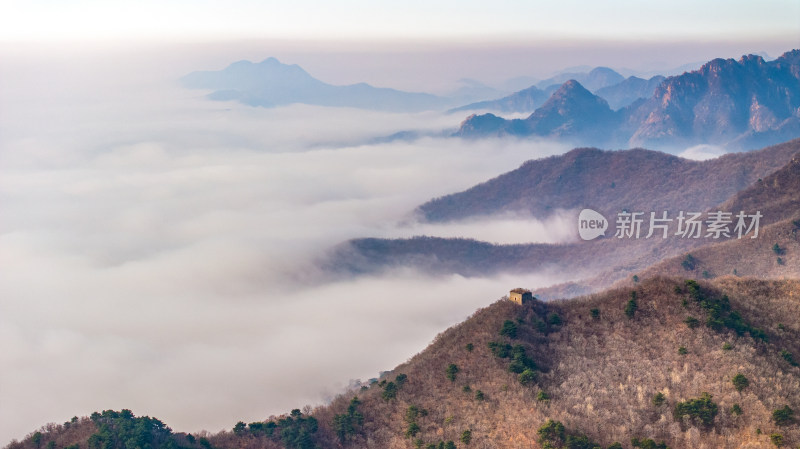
(720, 102)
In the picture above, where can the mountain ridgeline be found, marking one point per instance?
(634, 179)
(744, 104)
(595, 79)
(525, 100)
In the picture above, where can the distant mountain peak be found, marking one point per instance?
(572, 89)
(603, 70)
(272, 83)
(481, 124)
(573, 102)
(572, 85)
(595, 79)
(273, 62)
(570, 111)
(751, 58)
(525, 100)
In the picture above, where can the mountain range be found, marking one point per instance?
(740, 104)
(606, 181)
(271, 83)
(606, 83)
(744, 104)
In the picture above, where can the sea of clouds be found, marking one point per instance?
(157, 249)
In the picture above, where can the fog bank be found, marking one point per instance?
(157, 248)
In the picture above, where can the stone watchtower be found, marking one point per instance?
(520, 296)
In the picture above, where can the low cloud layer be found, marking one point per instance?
(502, 229)
(156, 248)
(702, 152)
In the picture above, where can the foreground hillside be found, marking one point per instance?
(708, 365)
(601, 373)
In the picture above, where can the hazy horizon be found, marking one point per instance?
(437, 67)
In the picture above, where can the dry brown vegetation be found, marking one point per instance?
(777, 197)
(602, 373)
(72, 432)
(746, 257)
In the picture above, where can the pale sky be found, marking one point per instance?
(504, 20)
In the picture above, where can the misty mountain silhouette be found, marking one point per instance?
(271, 83)
(628, 91)
(595, 79)
(617, 91)
(526, 100)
